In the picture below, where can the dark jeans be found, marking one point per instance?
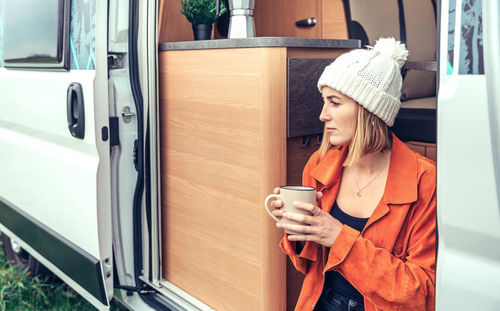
(332, 301)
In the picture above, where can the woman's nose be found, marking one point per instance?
(324, 116)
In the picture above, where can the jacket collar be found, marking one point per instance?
(329, 168)
(402, 183)
(401, 186)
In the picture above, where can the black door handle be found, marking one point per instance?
(308, 22)
(75, 110)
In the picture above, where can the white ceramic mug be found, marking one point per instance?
(290, 194)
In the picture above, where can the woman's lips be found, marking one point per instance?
(330, 129)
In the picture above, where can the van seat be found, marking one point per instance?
(378, 18)
(420, 103)
(416, 27)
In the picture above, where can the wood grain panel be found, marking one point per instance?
(415, 146)
(273, 166)
(173, 25)
(161, 7)
(296, 158)
(334, 23)
(431, 152)
(426, 149)
(277, 18)
(272, 18)
(222, 123)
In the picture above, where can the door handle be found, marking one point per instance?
(308, 22)
(75, 110)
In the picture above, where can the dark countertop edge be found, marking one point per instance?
(291, 42)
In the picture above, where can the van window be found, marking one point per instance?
(81, 40)
(82, 34)
(35, 33)
(471, 38)
(452, 10)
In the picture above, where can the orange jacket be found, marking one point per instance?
(392, 261)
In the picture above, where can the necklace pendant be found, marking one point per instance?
(358, 194)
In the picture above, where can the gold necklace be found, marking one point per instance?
(358, 193)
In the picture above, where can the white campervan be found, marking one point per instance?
(119, 135)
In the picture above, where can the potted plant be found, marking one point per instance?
(202, 14)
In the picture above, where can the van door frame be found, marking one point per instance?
(89, 272)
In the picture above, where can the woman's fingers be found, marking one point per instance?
(276, 190)
(319, 195)
(299, 228)
(306, 219)
(278, 212)
(313, 209)
(277, 204)
(302, 237)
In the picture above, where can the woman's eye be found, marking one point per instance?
(334, 103)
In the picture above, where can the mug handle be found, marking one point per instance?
(269, 197)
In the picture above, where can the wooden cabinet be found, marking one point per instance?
(278, 17)
(426, 149)
(222, 124)
(223, 149)
(173, 26)
(273, 18)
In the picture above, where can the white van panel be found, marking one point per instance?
(33, 127)
(37, 99)
(468, 177)
(468, 262)
(118, 26)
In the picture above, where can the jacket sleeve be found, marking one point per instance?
(309, 252)
(390, 282)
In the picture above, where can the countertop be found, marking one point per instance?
(261, 42)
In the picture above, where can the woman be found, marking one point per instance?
(370, 242)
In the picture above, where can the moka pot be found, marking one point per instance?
(241, 24)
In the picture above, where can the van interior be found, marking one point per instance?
(235, 122)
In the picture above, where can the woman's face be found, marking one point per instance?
(339, 114)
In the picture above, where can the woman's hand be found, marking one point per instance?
(278, 204)
(323, 228)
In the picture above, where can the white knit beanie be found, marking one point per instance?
(372, 77)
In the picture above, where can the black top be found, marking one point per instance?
(333, 278)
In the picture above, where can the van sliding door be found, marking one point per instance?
(54, 138)
(468, 263)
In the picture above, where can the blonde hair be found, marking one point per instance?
(371, 135)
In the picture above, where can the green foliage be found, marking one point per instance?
(21, 292)
(202, 11)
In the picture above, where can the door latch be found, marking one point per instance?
(127, 114)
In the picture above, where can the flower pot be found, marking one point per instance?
(202, 31)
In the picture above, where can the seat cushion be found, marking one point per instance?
(378, 18)
(420, 25)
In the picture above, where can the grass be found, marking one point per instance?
(22, 292)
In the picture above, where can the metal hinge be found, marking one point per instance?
(107, 267)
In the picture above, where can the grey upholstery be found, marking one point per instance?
(380, 18)
(417, 26)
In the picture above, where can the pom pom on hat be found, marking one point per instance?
(392, 48)
(372, 77)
